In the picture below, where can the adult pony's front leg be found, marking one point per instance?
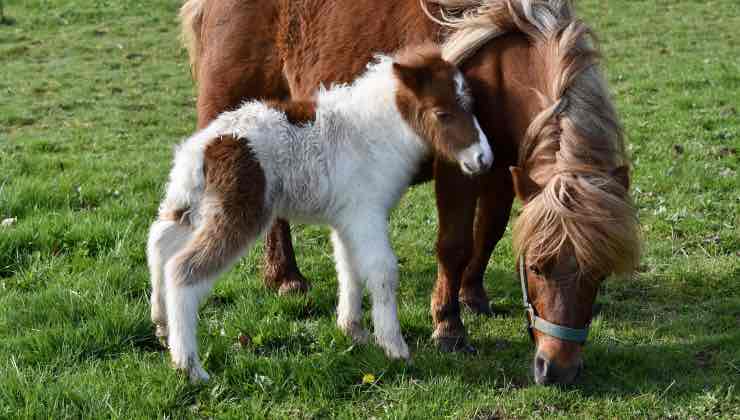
(456, 199)
(494, 208)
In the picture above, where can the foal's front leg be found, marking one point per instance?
(373, 259)
(349, 308)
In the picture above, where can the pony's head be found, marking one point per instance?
(564, 142)
(576, 228)
(433, 99)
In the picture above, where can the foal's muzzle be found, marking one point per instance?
(476, 158)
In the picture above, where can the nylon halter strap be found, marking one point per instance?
(578, 335)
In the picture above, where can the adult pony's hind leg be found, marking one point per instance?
(239, 59)
(492, 215)
(166, 238)
(456, 200)
(280, 267)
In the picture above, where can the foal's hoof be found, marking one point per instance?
(454, 344)
(355, 331)
(161, 333)
(192, 367)
(198, 375)
(396, 349)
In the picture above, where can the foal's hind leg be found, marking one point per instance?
(189, 277)
(233, 214)
(167, 236)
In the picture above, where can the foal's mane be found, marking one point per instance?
(572, 146)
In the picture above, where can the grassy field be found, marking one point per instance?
(94, 93)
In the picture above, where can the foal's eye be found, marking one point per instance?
(442, 115)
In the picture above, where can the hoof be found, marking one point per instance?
(290, 287)
(161, 333)
(454, 345)
(452, 338)
(193, 369)
(477, 306)
(355, 331)
(395, 348)
(197, 375)
(291, 283)
(483, 307)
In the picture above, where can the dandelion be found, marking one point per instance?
(368, 378)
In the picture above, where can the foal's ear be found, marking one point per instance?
(524, 187)
(410, 76)
(622, 175)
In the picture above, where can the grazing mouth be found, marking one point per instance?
(563, 380)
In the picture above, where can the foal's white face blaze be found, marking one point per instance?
(477, 157)
(434, 99)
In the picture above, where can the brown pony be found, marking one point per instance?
(533, 72)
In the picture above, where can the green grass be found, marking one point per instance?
(94, 93)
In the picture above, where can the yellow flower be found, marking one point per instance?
(368, 378)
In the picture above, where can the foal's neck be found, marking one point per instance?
(364, 113)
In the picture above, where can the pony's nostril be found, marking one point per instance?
(481, 160)
(542, 366)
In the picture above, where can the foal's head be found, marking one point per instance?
(434, 100)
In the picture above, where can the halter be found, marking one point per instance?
(578, 335)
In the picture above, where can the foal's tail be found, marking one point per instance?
(187, 179)
(191, 20)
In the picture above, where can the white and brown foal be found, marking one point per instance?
(343, 159)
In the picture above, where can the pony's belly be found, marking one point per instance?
(311, 205)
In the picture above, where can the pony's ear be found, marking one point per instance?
(524, 187)
(408, 75)
(622, 175)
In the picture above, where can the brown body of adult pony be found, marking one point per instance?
(533, 72)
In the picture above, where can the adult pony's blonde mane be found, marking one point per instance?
(571, 147)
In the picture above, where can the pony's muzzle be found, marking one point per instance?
(550, 372)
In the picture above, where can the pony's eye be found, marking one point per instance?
(536, 270)
(442, 115)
